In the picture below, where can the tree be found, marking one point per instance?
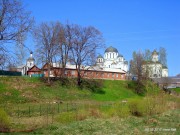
(147, 55)
(138, 68)
(163, 56)
(15, 22)
(85, 42)
(65, 44)
(46, 35)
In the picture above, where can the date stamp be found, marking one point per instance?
(160, 129)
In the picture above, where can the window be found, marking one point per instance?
(122, 76)
(102, 75)
(107, 74)
(66, 72)
(73, 72)
(112, 74)
(96, 74)
(117, 75)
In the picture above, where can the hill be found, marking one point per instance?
(34, 90)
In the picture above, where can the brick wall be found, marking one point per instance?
(56, 72)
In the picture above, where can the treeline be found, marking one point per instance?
(55, 42)
(67, 43)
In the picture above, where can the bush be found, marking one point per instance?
(121, 110)
(66, 117)
(93, 85)
(137, 107)
(4, 121)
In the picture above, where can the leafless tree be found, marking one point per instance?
(85, 42)
(163, 56)
(137, 68)
(46, 35)
(65, 44)
(15, 21)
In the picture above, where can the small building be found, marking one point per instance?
(34, 71)
(28, 68)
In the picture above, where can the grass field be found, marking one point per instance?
(176, 90)
(24, 90)
(164, 124)
(37, 108)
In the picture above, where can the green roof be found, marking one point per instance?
(111, 49)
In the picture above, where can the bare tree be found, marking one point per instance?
(15, 21)
(46, 35)
(65, 44)
(163, 56)
(147, 55)
(137, 68)
(85, 42)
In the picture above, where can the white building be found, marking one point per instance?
(29, 64)
(155, 68)
(112, 60)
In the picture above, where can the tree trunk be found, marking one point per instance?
(48, 73)
(79, 77)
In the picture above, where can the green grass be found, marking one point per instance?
(176, 90)
(27, 90)
(115, 125)
(115, 90)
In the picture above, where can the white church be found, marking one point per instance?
(155, 68)
(112, 60)
(29, 64)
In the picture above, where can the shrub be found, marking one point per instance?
(137, 107)
(121, 110)
(93, 85)
(66, 117)
(4, 121)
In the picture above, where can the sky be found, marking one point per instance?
(128, 25)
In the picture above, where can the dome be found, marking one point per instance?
(154, 52)
(120, 55)
(111, 49)
(100, 56)
(30, 59)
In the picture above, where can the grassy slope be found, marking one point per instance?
(114, 90)
(23, 90)
(117, 126)
(176, 90)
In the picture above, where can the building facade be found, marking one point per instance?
(86, 72)
(112, 60)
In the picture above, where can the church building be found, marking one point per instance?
(154, 67)
(112, 60)
(29, 64)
